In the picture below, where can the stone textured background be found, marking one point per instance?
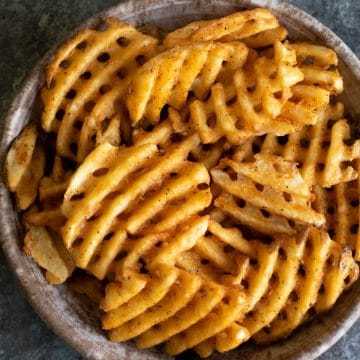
(27, 30)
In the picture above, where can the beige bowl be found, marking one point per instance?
(71, 317)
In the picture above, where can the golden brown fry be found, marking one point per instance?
(319, 263)
(19, 156)
(322, 151)
(237, 26)
(280, 198)
(319, 66)
(215, 322)
(265, 38)
(254, 105)
(49, 253)
(340, 205)
(24, 167)
(47, 211)
(178, 296)
(84, 82)
(174, 127)
(170, 76)
(133, 190)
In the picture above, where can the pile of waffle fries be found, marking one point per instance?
(204, 180)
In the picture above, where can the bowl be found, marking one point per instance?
(74, 319)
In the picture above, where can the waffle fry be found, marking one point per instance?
(319, 66)
(273, 80)
(262, 88)
(265, 38)
(185, 287)
(49, 253)
(187, 68)
(87, 77)
(131, 191)
(264, 295)
(173, 302)
(24, 166)
(340, 205)
(202, 304)
(215, 322)
(311, 96)
(160, 248)
(238, 26)
(244, 185)
(321, 150)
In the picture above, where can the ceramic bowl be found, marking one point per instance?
(68, 315)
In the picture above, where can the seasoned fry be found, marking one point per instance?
(340, 205)
(19, 157)
(322, 151)
(265, 38)
(24, 167)
(319, 66)
(88, 76)
(47, 211)
(319, 264)
(237, 26)
(129, 190)
(168, 78)
(49, 252)
(257, 100)
(280, 198)
(173, 300)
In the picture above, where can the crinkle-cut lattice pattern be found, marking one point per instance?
(325, 152)
(319, 66)
(340, 205)
(210, 263)
(321, 79)
(24, 167)
(86, 80)
(167, 78)
(175, 128)
(254, 104)
(327, 270)
(169, 304)
(242, 26)
(248, 195)
(47, 209)
(284, 282)
(135, 190)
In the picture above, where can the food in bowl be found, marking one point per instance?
(205, 180)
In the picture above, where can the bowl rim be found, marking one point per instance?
(6, 233)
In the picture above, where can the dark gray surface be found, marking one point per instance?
(27, 30)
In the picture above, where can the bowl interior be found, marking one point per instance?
(74, 319)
